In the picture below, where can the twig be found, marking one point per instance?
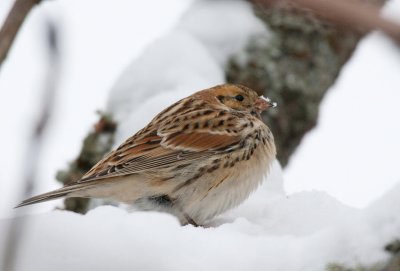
(354, 14)
(18, 225)
(12, 24)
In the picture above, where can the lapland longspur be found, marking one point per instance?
(199, 157)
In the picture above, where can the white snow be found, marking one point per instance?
(206, 20)
(276, 228)
(304, 231)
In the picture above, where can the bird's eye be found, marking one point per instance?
(220, 98)
(239, 98)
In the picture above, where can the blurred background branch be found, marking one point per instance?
(13, 23)
(15, 235)
(358, 15)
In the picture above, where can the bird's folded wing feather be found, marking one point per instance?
(167, 145)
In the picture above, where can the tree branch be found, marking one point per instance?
(13, 23)
(354, 14)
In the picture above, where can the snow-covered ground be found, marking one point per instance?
(305, 231)
(352, 155)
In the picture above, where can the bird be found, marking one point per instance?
(198, 158)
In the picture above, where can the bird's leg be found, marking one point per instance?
(182, 212)
(190, 220)
(165, 203)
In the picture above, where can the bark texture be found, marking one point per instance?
(294, 65)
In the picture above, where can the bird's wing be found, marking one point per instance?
(195, 134)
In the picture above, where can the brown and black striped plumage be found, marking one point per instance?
(197, 158)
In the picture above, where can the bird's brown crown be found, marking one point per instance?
(236, 97)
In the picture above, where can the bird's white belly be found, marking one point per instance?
(238, 183)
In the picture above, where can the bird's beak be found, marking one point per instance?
(262, 104)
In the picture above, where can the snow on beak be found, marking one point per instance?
(262, 104)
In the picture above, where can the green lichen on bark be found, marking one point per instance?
(96, 144)
(294, 64)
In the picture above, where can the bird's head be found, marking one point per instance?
(239, 98)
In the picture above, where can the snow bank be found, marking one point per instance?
(304, 231)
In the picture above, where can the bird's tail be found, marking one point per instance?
(55, 194)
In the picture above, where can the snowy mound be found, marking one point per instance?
(270, 231)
